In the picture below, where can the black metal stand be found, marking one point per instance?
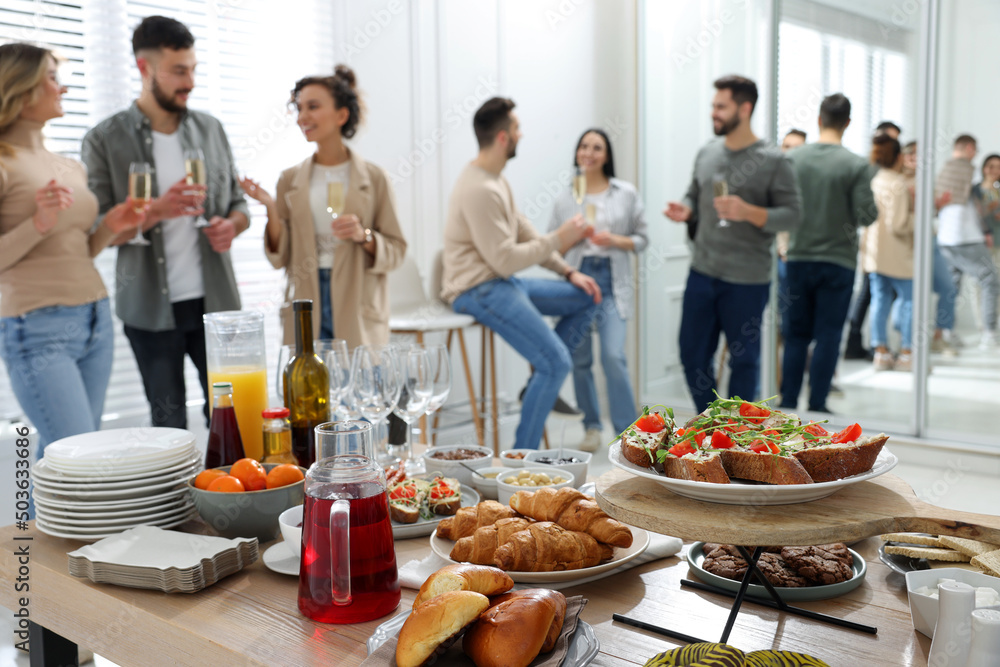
(47, 649)
(752, 572)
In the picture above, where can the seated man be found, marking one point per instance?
(486, 241)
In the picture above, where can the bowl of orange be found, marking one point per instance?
(246, 498)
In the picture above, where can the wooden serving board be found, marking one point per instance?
(885, 504)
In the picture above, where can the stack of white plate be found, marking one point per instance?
(164, 560)
(97, 484)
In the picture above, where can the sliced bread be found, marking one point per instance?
(930, 553)
(829, 462)
(967, 546)
(988, 562)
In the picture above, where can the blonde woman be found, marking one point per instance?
(55, 322)
(340, 262)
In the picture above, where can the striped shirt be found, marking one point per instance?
(622, 215)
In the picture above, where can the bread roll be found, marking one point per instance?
(511, 633)
(560, 604)
(464, 577)
(435, 624)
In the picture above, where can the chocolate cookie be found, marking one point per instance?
(821, 564)
(778, 572)
(725, 561)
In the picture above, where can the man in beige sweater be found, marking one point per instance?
(486, 241)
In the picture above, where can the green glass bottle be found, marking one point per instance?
(307, 387)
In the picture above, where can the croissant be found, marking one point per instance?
(481, 546)
(468, 519)
(547, 547)
(573, 511)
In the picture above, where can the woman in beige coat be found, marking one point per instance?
(887, 254)
(339, 262)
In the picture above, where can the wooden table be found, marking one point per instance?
(251, 618)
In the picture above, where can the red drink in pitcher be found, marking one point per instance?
(374, 584)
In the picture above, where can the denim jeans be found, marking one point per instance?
(712, 306)
(818, 295)
(975, 260)
(945, 288)
(59, 362)
(160, 358)
(513, 308)
(325, 307)
(882, 303)
(612, 329)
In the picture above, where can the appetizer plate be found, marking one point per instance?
(583, 645)
(422, 527)
(696, 557)
(640, 540)
(739, 492)
(78, 534)
(280, 558)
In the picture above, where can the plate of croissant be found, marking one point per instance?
(544, 536)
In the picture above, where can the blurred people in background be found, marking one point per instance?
(961, 234)
(616, 211)
(889, 128)
(354, 250)
(56, 335)
(822, 254)
(486, 241)
(742, 193)
(164, 288)
(793, 139)
(887, 255)
(986, 194)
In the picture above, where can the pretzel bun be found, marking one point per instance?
(560, 604)
(435, 624)
(464, 577)
(510, 633)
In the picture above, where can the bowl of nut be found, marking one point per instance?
(566, 460)
(514, 458)
(509, 483)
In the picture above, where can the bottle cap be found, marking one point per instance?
(275, 413)
(302, 304)
(226, 387)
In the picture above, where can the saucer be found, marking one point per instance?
(281, 559)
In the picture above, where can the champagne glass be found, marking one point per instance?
(579, 186)
(334, 198)
(338, 362)
(375, 387)
(415, 395)
(140, 189)
(720, 188)
(195, 174)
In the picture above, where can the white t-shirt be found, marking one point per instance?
(958, 224)
(599, 201)
(180, 236)
(325, 240)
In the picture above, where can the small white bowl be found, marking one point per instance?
(487, 486)
(924, 609)
(455, 469)
(509, 462)
(579, 470)
(505, 490)
(290, 522)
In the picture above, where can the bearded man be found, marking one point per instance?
(165, 284)
(743, 192)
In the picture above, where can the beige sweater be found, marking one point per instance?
(887, 245)
(56, 268)
(486, 237)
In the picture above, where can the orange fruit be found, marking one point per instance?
(251, 473)
(227, 484)
(283, 475)
(206, 477)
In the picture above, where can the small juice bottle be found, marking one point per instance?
(224, 444)
(277, 437)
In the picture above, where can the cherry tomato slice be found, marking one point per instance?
(849, 434)
(721, 441)
(682, 448)
(652, 422)
(764, 447)
(816, 429)
(753, 413)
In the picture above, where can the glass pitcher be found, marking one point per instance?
(234, 345)
(347, 571)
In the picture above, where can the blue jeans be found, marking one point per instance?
(612, 329)
(712, 306)
(882, 303)
(325, 307)
(945, 288)
(818, 295)
(59, 362)
(513, 308)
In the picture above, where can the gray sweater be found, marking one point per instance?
(759, 174)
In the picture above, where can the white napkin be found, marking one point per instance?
(415, 572)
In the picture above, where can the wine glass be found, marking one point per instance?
(195, 174)
(441, 376)
(334, 355)
(375, 387)
(334, 197)
(579, 186)
(140, 189)
(720, 188)
(417, 386)
(284, 354)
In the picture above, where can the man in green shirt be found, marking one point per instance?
(822, 253)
